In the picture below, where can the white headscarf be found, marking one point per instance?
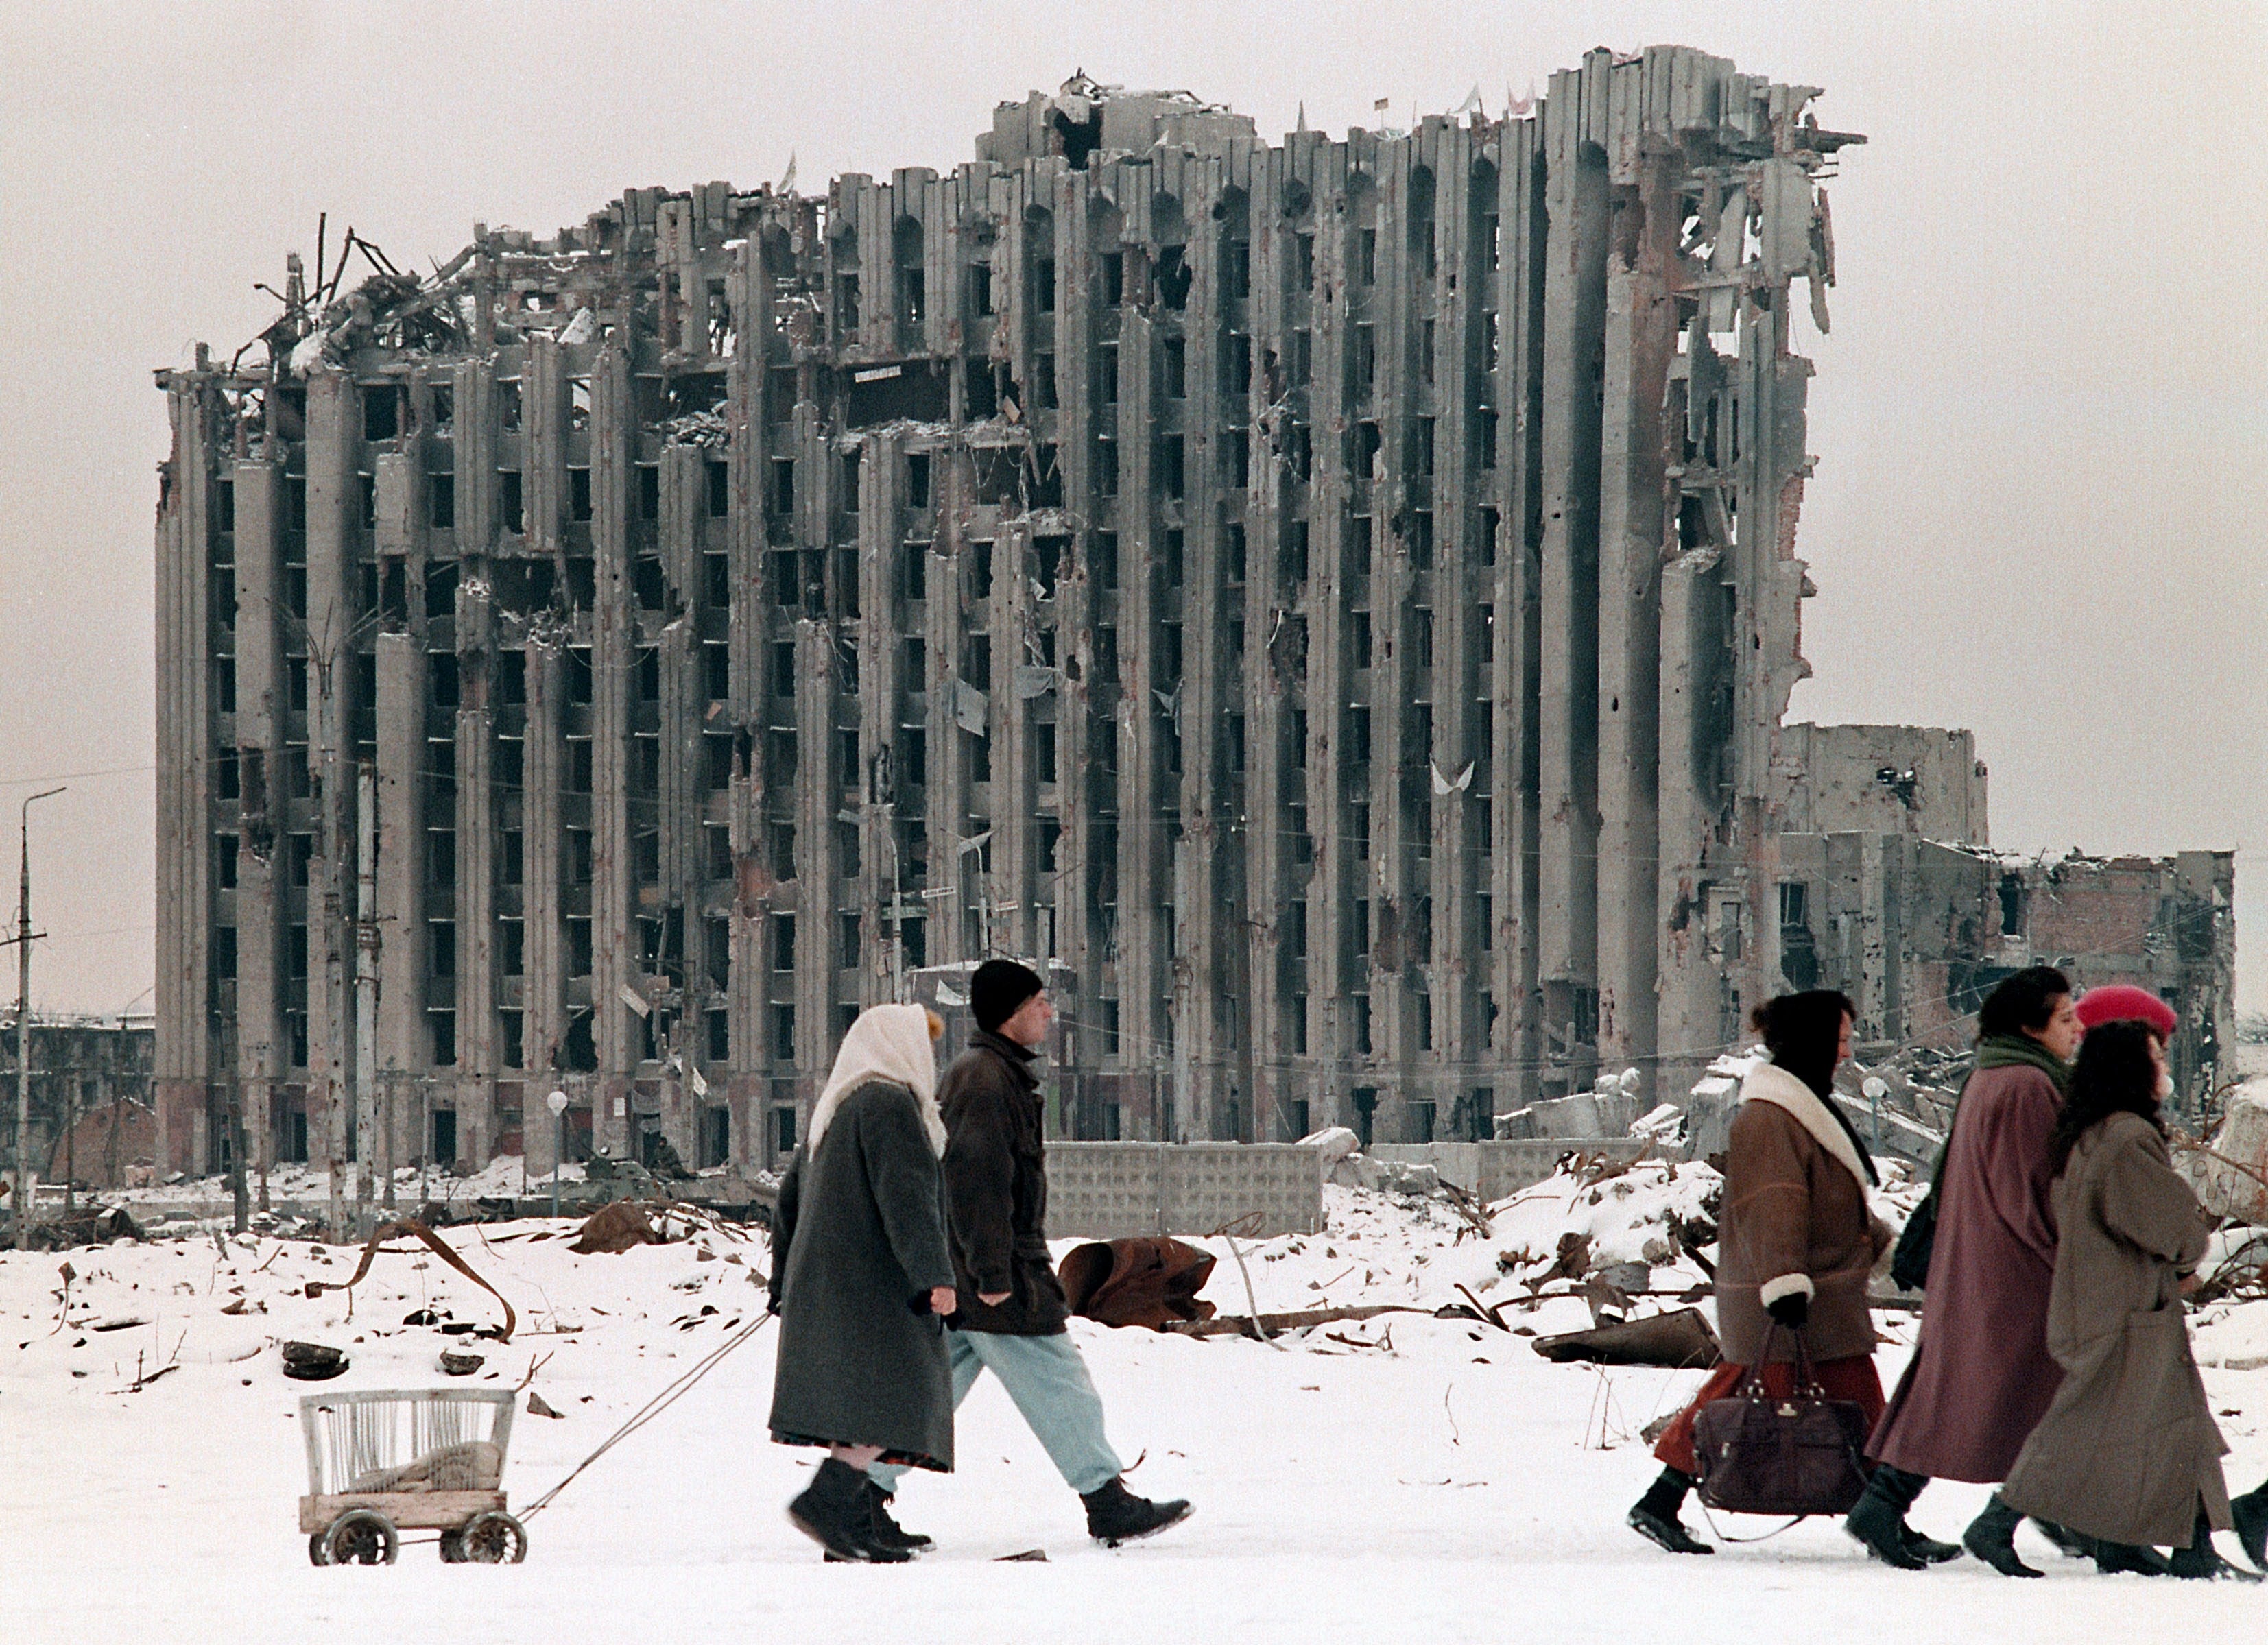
(887, 1042)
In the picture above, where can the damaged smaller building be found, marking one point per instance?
(91, 1116)
(1890, 890)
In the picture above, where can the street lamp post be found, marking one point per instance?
(24, 1031)
(1876, 1088)
(557, 1103)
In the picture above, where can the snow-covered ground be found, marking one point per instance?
(1403, 1477)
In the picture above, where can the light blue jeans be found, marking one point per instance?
(1046, 1378)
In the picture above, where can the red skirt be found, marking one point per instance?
(1852, 1379)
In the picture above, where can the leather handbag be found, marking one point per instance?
(1759, 1454)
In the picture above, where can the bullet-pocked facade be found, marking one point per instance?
(1332, 601)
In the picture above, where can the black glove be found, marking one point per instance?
(1792, 1310)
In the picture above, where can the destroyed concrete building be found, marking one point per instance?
(88, 1096)
(1890, 890)
(1332, 603)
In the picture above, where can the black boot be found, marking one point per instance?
(832, 1512)
(886, 1531)
(2200, 1562)
(1992, 1538)
(1655, 1516)
(2069, 1543)
(2250, 1512)
(1116, 1515)
(1878, 1523)
(2112, 1558)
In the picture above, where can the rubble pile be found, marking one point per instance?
(2229, 1170)
(1630, 1223)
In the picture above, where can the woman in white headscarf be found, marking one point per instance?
(862, 1282)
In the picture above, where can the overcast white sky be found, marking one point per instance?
(2043, 442)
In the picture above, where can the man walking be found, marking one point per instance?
(1012, 1314)
(1981, 1377)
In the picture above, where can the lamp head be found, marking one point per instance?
(557, 1103)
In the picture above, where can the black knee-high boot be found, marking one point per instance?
(1879, 1522)
(1992, 1538)
(1654, 1515)
(2200, 1561)
(2250, 1512)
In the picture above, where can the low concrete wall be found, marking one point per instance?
(1492, 1170)
(1121, 1189)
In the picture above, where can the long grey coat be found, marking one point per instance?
(858, 1243)
(2128, 1449)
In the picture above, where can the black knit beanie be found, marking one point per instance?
(999, 989)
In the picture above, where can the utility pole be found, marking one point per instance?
(23, 938)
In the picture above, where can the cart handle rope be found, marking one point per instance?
(646, 1412)
(408, 1225)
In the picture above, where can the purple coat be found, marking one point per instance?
(1982, 1377)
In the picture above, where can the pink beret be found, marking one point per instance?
(2121, 1003)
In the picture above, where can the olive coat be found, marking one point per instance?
(857, 1244)
(2128, 1449)
(1795, 1219)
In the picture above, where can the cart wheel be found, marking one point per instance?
(361, 1536)
(317, 1554)
(490, 1538)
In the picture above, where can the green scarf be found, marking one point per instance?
(2008, 1051)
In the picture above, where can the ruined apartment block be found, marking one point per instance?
(1334, 602)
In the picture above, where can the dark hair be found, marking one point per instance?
(2025, 1000)
(2114, 1074)
(1804, 1032)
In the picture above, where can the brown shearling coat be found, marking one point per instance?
(2129, 1449)
(1794, 1218)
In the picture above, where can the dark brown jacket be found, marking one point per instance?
(996, 1191)
(1794, 1219)
(2129, 1449)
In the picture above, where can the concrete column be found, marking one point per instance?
(1515, 880)
(947, 795)
(813, 798)
(261, 868)
(543, 997)
(1636, 533)
(1395, 688)
(333, 537)
(816, 800)
(748, 387)
(477, 813)
(614, 661)
(1332, 974)
(1145, 844)
(184, 778)
(883, 617)
(1012, 619)
(1462, 586)
(1579, 210)
(404, 1047)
